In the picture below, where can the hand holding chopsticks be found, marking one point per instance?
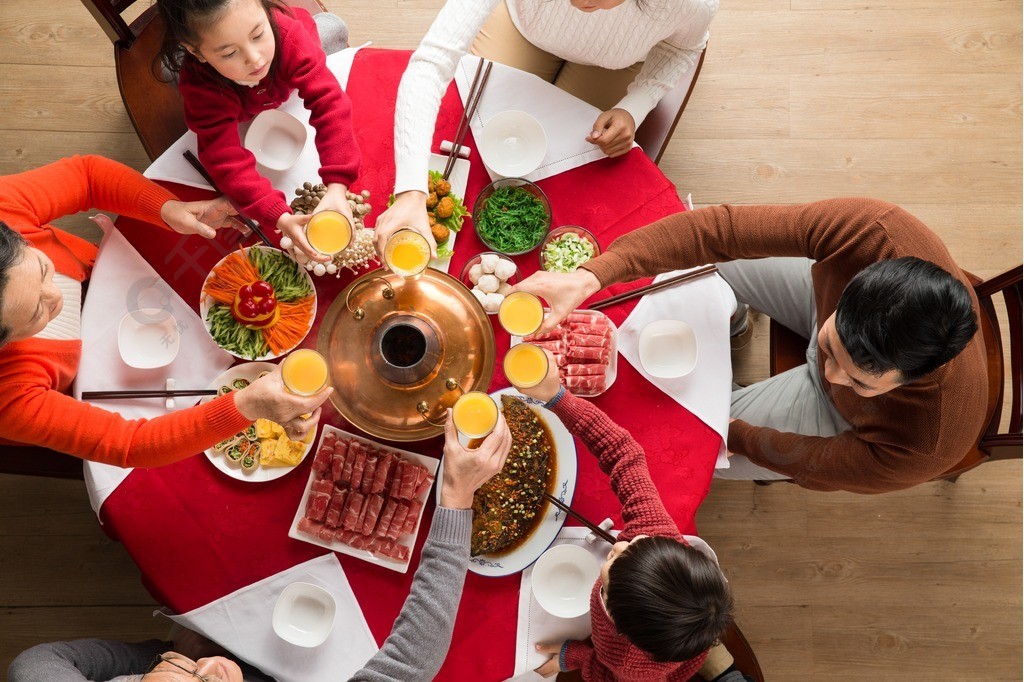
(472, 103)
(598, 531)
(194, 162)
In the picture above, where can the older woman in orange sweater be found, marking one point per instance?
(41, 273)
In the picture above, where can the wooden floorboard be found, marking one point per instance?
(913, 101)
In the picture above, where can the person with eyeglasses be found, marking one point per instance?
(415, 649)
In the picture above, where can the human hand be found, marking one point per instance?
(408, 211)
(613, 132)
(549, 385)
(466, 470)
(293, 227)
(336, 199)
(201, 217)
(267, 398)
(564, 292)
(551, 666)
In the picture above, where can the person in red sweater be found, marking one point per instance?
(659, 604)
(237, 58)
(42, 268)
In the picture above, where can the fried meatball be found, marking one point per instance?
(431, 218)
(440, 232)
(443, 188)
(431, 201)
(445, 208)
(430, 185)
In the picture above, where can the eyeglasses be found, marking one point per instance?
(183, 664)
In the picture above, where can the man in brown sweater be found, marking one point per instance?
(894, 390)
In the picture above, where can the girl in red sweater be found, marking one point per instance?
(659, 604)
(237, 58)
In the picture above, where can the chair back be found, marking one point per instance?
(25, 460)
(654, 133)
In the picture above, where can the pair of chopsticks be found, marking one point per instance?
(651, 288)
(191, 158)
(472, 102)
(121, 395)
(600, 532)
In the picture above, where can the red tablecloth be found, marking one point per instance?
(198, 535)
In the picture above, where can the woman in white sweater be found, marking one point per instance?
(622, 56)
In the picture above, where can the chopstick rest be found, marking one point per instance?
(446, 148)
(169, 402)
(592, 537)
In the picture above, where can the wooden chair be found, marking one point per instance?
(154, 107)
(656, 130)
(994, 443)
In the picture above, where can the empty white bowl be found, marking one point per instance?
(513, 144)
(148, 338)
(276, 139)
(563, 579)
(304, 614)
(668, 349)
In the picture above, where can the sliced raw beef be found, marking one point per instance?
(396, 481)
(574, 370)
(374, 503)
(580, 339)
(588, 329)
(384, 464)
(352, 509)
(424, 485)
(582, 318)
(309, 527)
(326, 534)
(415, 507)
(337, 462)
(385, 517)
(316, 505)
(410, 476)
(358, 467)
(335, 508)
(553, 346)
(369, 472)
(587, 353)
(322, 460)
(553, 335)
(398, 523)
(345, 536)
(362, 514)
(592, 383)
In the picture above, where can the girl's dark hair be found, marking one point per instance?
(905, 314)
(669, 599)
(184, 22)
(12, 250)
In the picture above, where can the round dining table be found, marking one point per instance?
(198, 535)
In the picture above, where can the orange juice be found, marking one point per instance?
(329, 232)
(475, 414)
(304, 372)
(521, 313)
(525, 365)
(407, 253)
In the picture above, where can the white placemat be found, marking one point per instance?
(566, 120)
(172, 166)
(122, 281)
(705, 304)
(242, 623)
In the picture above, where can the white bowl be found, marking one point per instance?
(148, 338)
(668, 349)
(513, 144)
(276, 139)
(304, 614)
(563, 579)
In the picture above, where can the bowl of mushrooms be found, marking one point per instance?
(489, 276)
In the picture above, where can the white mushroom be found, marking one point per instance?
(488, 284)
(492, 302)
(504, 288)
(286, 243)
(331, 268)
(319, 269)
(480, 296)
(489, 261)
(504, 269)
(475, 272)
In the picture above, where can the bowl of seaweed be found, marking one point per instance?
(512, 216)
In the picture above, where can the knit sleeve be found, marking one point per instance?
(419, 642)
(424, 82)
(669, 60)
(622, 458)
(304, 65)
(84, 659)
(34, 414)
(82, 183)
(584, 657)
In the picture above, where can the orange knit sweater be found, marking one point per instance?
(36, 374)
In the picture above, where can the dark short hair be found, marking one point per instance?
(12, 250)
(668, 599)
(905, 314)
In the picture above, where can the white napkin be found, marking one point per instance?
(537, 626)
(566, 120)
(172, 166)
(705, 304)
(242, 623)
(121, 282)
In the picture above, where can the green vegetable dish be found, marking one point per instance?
(512, 220)
(566, 253)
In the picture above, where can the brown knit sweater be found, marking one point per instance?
(898, 439)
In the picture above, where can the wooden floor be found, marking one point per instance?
(913, 101)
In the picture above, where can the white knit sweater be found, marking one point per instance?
(667, 35)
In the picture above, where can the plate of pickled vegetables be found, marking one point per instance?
(262, 452)
(258, 303)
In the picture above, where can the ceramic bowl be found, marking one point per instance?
(148, 338)
(485, 196)
(304, 614)
(563, 579)
(512, 144)
(668, 349)
(276, 139)
(581, 232)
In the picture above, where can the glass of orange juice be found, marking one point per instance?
(475, 414)
(521, 313)
(526, 365)
(304, 372)
(329, 232)
(407, 253)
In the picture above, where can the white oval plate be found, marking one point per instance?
(249, 371)
(205, 302)
(565, 485)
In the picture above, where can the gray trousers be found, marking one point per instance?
(793, 401)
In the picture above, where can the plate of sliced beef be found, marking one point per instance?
(584, 348)
(364, 499)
